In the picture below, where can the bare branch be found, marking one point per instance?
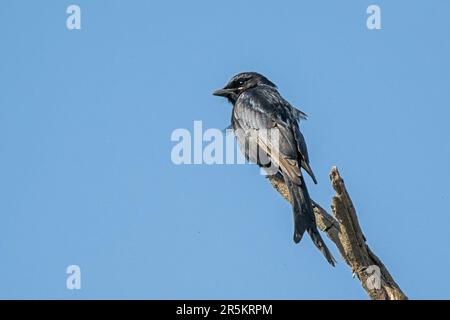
(344, 230)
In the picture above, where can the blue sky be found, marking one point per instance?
(86, 117)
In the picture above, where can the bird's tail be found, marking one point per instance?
(304, 218)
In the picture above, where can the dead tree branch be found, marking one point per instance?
(344, 230)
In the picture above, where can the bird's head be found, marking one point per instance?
(240, 83)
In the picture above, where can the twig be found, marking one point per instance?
(344, 230)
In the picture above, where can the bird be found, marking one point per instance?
(267, 130)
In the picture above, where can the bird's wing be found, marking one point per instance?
(289, 116)
(299, 115)
(264, 114)
(303, 150)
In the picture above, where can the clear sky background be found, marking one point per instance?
(86, 117)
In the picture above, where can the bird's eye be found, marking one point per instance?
(241, 82)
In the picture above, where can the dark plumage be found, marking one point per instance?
(267, 130)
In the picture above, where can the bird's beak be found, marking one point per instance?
(223, 92)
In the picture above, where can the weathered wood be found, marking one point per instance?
(344, 230)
